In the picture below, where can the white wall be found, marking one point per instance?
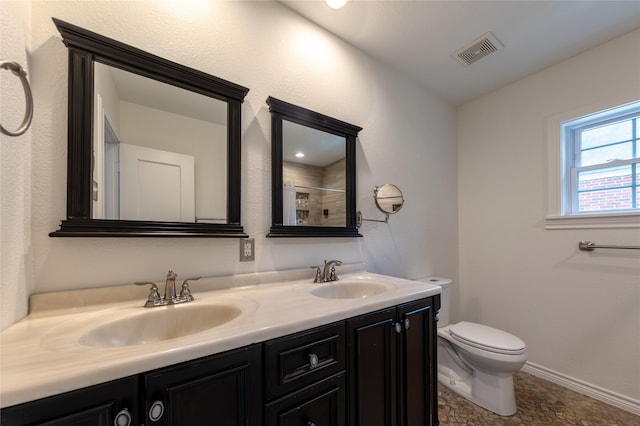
(273, 51)
(16, 254)
(578, 312)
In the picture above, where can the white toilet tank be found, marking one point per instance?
(445, 297)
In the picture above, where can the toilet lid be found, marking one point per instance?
(487, 338)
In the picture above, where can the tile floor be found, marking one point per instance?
(539, 402)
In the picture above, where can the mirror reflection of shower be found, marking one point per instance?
(313, 176)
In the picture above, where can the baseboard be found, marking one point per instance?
(623, 402)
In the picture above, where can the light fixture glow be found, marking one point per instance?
(336, 4)
(299, 154)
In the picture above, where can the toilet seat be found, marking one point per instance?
(487, 338)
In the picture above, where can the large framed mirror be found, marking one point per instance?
(154, 147)
(313, 159)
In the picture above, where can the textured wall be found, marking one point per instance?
(16, 252)
(273, 51)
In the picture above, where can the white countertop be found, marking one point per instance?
(40, 356)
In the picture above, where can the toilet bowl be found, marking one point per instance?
(477, 361)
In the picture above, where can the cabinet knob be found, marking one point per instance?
(407, 323)
(123, 418)
(398, 327)
(313, 360)
(311, 424)
(156, 411)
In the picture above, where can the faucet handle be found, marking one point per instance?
(154, 298)
(318, 277)
(185, 282)
(332, 274)
(154, 286)
(185, 292)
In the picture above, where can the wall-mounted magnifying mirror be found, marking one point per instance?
(154, 147)
(388, 199)
(313, 173)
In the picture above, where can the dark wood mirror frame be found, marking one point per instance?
(280, 111)
(85, 47)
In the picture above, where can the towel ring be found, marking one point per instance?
(28, 115)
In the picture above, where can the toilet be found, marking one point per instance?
(477, 361)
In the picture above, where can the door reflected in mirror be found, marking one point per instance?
(160, 151)
(314, 178)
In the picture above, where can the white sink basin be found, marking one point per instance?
(158, 324)
(349, 289)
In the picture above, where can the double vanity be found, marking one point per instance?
(267, 348)
(272, 348)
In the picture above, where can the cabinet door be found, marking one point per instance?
(221, 390)
(418, 366)
(322, 404)
(92, 406)
(372, 347)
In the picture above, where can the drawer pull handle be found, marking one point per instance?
(313, 360)
(123, 418)
(156, 411)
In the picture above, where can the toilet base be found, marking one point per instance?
(490, 390)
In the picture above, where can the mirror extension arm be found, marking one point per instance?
(388, 199)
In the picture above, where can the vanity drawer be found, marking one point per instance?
(301, 359)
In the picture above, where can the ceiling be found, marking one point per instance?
(417, 38)
(155, 94)
(319, 148)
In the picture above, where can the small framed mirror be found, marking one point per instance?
(154, 147)
(313, 173)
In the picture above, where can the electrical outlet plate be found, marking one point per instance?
(247, 250)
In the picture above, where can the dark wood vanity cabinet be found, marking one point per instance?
(393, 367)
(305, 378)
(221, 389)
(105, 404)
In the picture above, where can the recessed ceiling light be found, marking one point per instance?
(336, 4)
(299, 154)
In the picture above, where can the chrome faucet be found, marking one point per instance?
(328, 272)
(170, 297)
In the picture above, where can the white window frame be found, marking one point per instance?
(559, 213)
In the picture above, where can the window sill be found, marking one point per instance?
(594, 221)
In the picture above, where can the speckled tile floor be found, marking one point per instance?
(539, 402)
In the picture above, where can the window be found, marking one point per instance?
(593, 165)
(602, 162)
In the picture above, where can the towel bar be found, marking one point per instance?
(590, 246)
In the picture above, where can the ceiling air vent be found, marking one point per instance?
(479, 48)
